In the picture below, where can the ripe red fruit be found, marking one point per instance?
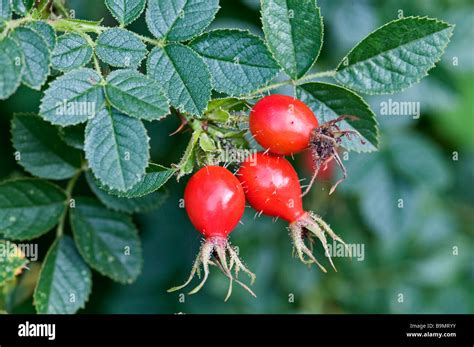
(272, 187)
(284, 125)
(215, 202)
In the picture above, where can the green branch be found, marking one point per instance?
(304, 79)
(69, 189)
(80, 26)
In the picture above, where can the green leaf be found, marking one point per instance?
(180, 20)
(124, 204)
(379, 202)
(42, 9)
(183, 74)
(73, 98)
(65, 280)
(29, 208)
(239, 62)
(120, 48)
(136, 95)
(5, 10)
(42, 151)
(117, 149)
(395, 56)
(11, 68)
(107, 240)
(186, 164)
(37, 57)
(12, 261)
(329, 101)
(156, 177)
(125, 11)
(21, 7)
(206, 143)
(46, 31)
(72, 51)
(73, 135)
(418, 159)
(294, 33)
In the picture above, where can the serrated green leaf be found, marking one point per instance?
(125, 11)
(179, 20)
(117, 149)
(239, 62)
(12, 261)
(395, 56)
(36, 54)
(73, 135)
(73, 98)
(5, 10)
(21, 7)
(294, 33)
(29, 208)
(183, 74)
(11, 68)
(65, 280)
(46, 31)
(329, 101)
(72, 51)
(42, 152)
(120, 48)
(124, 204)
(136, 95)
(156, 177)
(107, 240)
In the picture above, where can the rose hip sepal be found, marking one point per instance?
(272, 187)
(215, 202)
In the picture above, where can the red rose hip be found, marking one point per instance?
(272, 187)
(215, 202)
(282, 124)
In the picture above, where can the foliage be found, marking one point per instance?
(103, 86)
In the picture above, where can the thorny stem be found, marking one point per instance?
(69, 189)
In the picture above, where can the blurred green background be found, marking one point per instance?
(411, 264)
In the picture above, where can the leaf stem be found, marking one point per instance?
(151, 41)
(12, 24)
(61, 8)
(64, 24)
(309, 77)
(69, 189)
